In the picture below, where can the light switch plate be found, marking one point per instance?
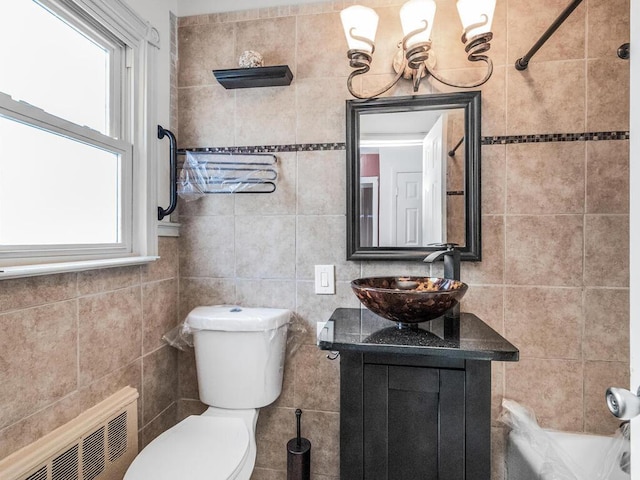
(325, 279)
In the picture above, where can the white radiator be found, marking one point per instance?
(99, 444)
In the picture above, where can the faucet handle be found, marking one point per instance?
(451, 258)
(448, 246)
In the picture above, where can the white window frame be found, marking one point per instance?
(32, 116)
(135, 142)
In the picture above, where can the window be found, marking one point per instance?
(73, 173)
(66, 69)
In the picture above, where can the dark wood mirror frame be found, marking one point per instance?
(471, 103)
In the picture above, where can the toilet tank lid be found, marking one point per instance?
(233, 318)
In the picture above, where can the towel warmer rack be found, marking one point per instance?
(219, 172)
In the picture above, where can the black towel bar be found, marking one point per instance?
(173, 167)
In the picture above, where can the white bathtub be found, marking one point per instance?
(586, 454)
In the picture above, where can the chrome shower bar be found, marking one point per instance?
(523, 62)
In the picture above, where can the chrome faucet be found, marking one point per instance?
(451, 258)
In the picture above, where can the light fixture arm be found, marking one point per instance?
(413, 33)
(362, 39)
(473, 26)
(418, 74)
(475, 48)
(417, 55)
(360, 60)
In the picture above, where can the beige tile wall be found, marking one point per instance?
(554, 275)
(68, 341)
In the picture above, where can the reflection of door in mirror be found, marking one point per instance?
(406, 179)
(369, 211)
(408, 217)
(434, 161)
(401, 196)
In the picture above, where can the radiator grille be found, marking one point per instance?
(98, 445)
(93, 455)
(65, 466)
(117, 433)
(39, 475)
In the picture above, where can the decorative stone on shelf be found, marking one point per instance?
(250, 59)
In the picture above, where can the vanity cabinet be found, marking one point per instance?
(414, 404)
(410, 418)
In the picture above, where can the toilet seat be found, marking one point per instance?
(198, 448)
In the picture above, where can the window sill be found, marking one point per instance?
(65, 267)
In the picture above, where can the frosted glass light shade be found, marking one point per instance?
(412, 16)
(472, 11)
(364, 22)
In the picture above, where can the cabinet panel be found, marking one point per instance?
(413, 435)
(451, 446)
(376, 422)
(414, 379)
(413, 423)
(351, 417)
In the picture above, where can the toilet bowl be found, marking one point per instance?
(213, 446)
(240, 363)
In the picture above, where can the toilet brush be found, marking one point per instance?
(298, 455)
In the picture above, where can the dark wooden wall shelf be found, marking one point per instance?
(277, 76)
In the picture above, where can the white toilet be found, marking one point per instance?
(240, 362)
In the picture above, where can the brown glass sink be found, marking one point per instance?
(409, 300)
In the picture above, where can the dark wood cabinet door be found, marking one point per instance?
(413, 423)
(414, 418)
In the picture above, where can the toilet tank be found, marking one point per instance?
(239, 354)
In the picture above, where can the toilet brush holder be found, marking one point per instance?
(298, 455)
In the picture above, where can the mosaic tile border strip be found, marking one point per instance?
(498, 140)
(555, 137)
(299, 147)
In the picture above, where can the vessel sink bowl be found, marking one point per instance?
(409, 300)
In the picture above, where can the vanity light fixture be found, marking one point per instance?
(360, 25)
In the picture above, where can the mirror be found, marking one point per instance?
(413, 176)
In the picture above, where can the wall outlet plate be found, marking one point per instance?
(325, 329)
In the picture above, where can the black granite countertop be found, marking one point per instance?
(468, 337)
